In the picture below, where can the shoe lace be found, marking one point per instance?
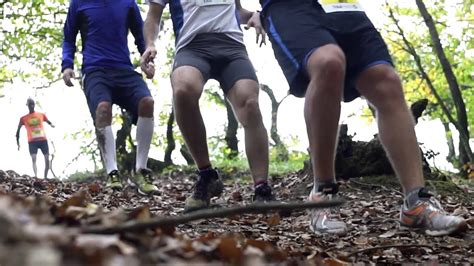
(200, 189)
(147, 176)
(434, 203)
(114, 177)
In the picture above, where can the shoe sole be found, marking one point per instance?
(115, 188)
(141, 192)
(462, 227)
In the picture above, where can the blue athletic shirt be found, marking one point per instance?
(104, 26)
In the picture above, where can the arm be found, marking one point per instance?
(244, 14)
(136, 27)
(47, 121)
(18, 134)
(151, 30)
(69, 43)
(252, 19)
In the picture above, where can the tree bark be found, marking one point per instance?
(125, 159)
(231, 131)
(170, 142)
(278, 143)
(465, 153)
(134, 226)
(187, 156)
(449, 139)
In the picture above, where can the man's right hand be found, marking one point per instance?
(68, 75)
(146, 62)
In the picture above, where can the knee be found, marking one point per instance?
(185, 89)
(388, 92)
(146, 107)
(249, 113)
(327, 64)
(104, 110)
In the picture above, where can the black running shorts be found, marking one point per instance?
(217, 57)
(297, 28)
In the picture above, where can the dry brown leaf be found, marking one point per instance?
(274, 220)
(229, 250)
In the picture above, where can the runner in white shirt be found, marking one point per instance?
(209, 45)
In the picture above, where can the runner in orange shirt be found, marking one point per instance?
(33, 123)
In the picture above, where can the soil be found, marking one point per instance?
(45, 217)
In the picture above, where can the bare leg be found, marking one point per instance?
(382, 87)
(187, 83)
(144, 133)
(326, 68)
(105, 135)
(46, 165)
(244, 99)
(35, 169)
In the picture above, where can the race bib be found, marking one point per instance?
(37, 133)
(213, 2)
(331, 6)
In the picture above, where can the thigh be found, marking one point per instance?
(195, 58)
(294, 40)
(33, 148)
(238, 68)
(130, 90)
(363, 48)
(97, 88)
(44, 147)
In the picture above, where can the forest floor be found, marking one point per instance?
(42, 222)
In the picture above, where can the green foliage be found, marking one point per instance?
(85, 176)
(452, 20)
(31, 34)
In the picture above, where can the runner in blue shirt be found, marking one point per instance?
(109, 78)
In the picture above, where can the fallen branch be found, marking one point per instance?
(134, 225)
(389, 246)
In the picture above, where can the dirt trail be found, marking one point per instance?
(41, 217)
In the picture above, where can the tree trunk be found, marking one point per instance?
(187, 156)
(125, 159)
(231, 131)
(449, 139)
(465, 153)
(170, 143)
(278, 143)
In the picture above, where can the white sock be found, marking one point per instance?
(108, 149)
(145, 126)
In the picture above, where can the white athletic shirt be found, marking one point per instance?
(191, 17)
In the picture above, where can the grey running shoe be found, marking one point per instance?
(428, 216)
(321, 220)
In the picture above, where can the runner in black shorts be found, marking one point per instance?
(330, 51)
(110, 78)
(209, 45)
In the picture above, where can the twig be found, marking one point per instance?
(375, 185)
(208, 213)
(388, 246)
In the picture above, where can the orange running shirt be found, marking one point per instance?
(34, 126)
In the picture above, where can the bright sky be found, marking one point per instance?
(67, 109)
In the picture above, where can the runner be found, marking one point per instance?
(109, 78)
(37, 140)
(329, 51)
(209, 45)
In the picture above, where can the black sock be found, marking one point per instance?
(326, 187)
(416, 195)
